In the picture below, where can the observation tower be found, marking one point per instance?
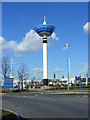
(45, 30)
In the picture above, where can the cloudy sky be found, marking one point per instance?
(21, 42)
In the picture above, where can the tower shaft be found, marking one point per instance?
(45, 72)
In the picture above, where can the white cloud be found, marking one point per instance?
(1, 41)
(84, 68)
(82, 63)
(65, 48)
(37, 69)
(53, 36)
(58, 70)
(86, 27)
(31, 42)
(6, 44)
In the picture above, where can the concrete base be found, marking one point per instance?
(45, 82)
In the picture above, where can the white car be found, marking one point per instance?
(50, 83)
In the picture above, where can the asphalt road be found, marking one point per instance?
(46, 106)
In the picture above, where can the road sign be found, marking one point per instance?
(77, 78)
(8, 83)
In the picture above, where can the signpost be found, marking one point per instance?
(8, 83)
(77, 78)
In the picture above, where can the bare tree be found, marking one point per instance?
(23, 73)
(5, 66)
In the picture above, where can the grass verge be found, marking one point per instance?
(6, 115)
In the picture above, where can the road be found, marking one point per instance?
(30, 105)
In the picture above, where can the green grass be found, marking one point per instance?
(57, 87)
(6, 115)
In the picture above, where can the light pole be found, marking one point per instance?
(67, 45)
(11, 69)
(22, 81)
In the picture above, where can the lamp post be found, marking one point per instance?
(11, 69)
(67, 45)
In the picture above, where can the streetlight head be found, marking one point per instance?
(67, 45)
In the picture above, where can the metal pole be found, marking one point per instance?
(75, 84)
(79, 84)
(11, 66)
(22, 81)
(67, 69)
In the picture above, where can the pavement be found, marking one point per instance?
(42, 104)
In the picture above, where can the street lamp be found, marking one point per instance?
(67, 45)
(11, 75)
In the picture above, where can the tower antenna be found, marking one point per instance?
(44, 23)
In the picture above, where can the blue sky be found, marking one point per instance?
(69, 20)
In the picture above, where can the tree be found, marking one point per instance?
(23, 73)
(5, 66)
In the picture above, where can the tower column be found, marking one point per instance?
(45, 76)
